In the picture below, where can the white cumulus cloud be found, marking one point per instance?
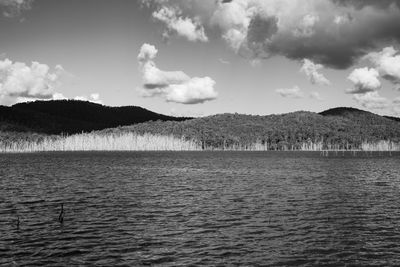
(95, 98)
(18, 79)
(22, 99)
(293, 92)
(176, 23)
(387, 62)
(311, 69)
(365, 80)
(174, 86)
(195, 90)
(147, 53)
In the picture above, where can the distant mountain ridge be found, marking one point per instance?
(72, 116)
(342, 111)
(353, 112)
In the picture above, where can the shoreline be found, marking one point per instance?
(322, 152)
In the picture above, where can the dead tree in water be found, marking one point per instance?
(61, 216)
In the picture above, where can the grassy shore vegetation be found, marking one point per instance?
(130, 141)
(96, 142)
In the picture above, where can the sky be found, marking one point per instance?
(203, 57)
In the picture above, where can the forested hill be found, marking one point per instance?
(340, 127)
(71, 116)
(354, 113)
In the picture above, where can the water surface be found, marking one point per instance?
(200, 208)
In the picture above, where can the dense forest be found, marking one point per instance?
(339, 128)
(71, 116)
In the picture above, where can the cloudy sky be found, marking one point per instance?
(201, 57)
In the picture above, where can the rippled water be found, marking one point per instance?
(199, 208)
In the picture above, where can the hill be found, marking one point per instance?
(71, 116)
(393, 118)
(336, 128)
(353, 113)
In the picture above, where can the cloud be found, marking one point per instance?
(342, 19)
(294, 92)
(174, 86)
(147, 53)
(22, 99)
(20, 82)
(35, 81)
(194, 91)
(359, 4)
(387, 62)
(334, 33)
(95, 98)
(365, 80)
(58, 96)
(372, 100)
(316, 95)
(223, 61)
(312, 71)
(13, 8)
(186, 27)
(306, 26)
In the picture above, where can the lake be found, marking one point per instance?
(200, 208)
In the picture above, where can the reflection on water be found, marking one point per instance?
(199, 208)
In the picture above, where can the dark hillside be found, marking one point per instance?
(70, 116)
(343, 111)
(354, 114)
(392, 118)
